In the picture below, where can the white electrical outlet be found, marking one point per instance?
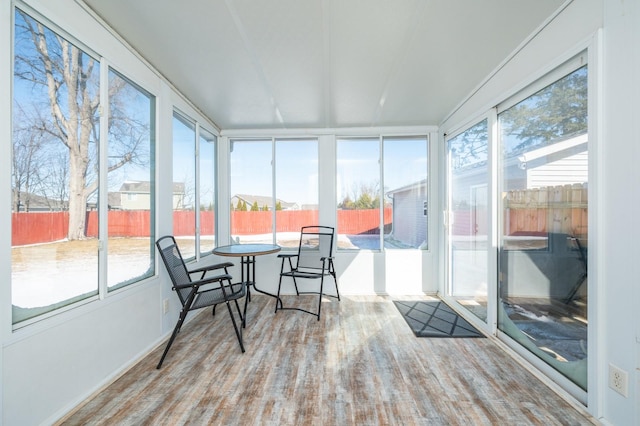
(165, 306)
(619, 380)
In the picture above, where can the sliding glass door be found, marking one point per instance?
(542, 262)
(518, 260)
(468, 202)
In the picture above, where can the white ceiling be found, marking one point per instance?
(325, 63)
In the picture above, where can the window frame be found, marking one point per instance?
(199, 133)
(142, 83)
(381, 137)
(562, 377)
(273, 141)
(104, 190)
(200, 130)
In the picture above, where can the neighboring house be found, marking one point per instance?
(36, 203)
(262, 201)
(114, 200)
(547, 166)
(136, 195)
(536, 168)
(410, 213)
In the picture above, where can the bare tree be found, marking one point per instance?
(54, 185)
(26, 161)
(69, 79)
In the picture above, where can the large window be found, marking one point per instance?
(206, 229)
(405, 191)
(184, 184)
(131, 182)
(358, 192)
(296, 192)
(71, 168)
(544, 234)
(194, 173)
(274, 189)
(251, 191)
(370, 214)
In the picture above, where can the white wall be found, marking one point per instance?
(620, 151)
(47, 372)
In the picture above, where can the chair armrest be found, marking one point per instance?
(287, 255)
(204, 281)
(211, 267)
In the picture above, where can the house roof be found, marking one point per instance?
(38, 202)
(563, 145)
(144, 187)
(418, 184)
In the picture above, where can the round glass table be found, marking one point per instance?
(248, 253)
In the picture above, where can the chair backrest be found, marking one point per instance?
(174, 263)
(316, 242)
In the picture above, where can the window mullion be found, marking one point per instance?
(103, 168)
(196, 211)
(273, 190)
(381, 190)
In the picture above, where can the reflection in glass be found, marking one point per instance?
(468, 200)
(544, 238)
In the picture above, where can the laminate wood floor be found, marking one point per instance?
(359, 365)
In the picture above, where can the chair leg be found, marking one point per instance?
(240, 314)
(176, 329)
(320, 297)
(235, 326)
(280, 286)
(278, 293)
(332, 271)
(244, 314)
(295, 284)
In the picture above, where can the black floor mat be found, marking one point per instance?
(434, 318)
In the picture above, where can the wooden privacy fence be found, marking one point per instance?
(251, 223)
(34, 228)
(557, 209)
(43, 227)
(349, 221)
(353, 222)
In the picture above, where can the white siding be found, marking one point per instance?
(569, 170)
